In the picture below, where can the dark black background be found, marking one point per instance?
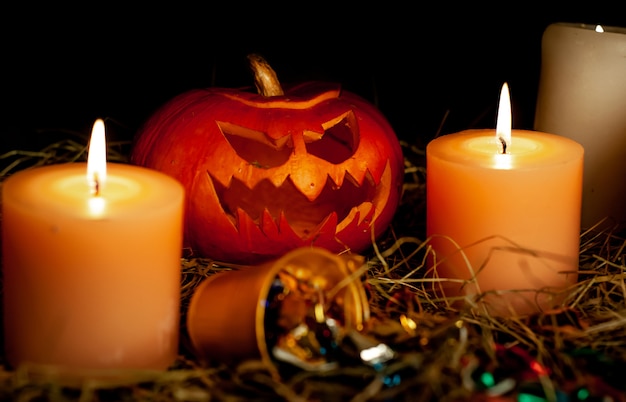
(63, 67)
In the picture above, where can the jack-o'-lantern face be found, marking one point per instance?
(264, 175)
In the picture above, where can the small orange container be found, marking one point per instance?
(226, 318)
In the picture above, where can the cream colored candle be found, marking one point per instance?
(505, 219)
(91, 268)
(582, 95)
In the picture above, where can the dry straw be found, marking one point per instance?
(442, 353)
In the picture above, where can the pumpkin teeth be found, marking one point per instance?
(361, 215)
(268, 225)
(366, 179)
(273, 209)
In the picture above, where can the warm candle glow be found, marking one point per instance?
(503, 124)
(96, 206)
(96, 159)
(91, 281)
(517, 226)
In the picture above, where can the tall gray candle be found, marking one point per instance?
(582, 95)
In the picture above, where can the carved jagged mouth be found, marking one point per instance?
(267, 205)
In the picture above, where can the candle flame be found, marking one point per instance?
(96, 158)
(503, 124)
(599, 28)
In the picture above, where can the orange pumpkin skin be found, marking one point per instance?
(316, 166)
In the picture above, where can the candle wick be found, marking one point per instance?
(503, 142)
(96, 185)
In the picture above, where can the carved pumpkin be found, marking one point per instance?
(268, 172)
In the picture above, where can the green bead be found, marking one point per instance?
(582, 394)
(487, 379)
(530, 398)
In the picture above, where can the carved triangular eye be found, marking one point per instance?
(338, 142)
(256, 147)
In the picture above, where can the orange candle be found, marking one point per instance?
(503, 215)
(91, 265)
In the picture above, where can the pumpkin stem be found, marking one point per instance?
(265, 78)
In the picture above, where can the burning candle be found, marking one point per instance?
(582, 96)
(503, 215)
(91, 265)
